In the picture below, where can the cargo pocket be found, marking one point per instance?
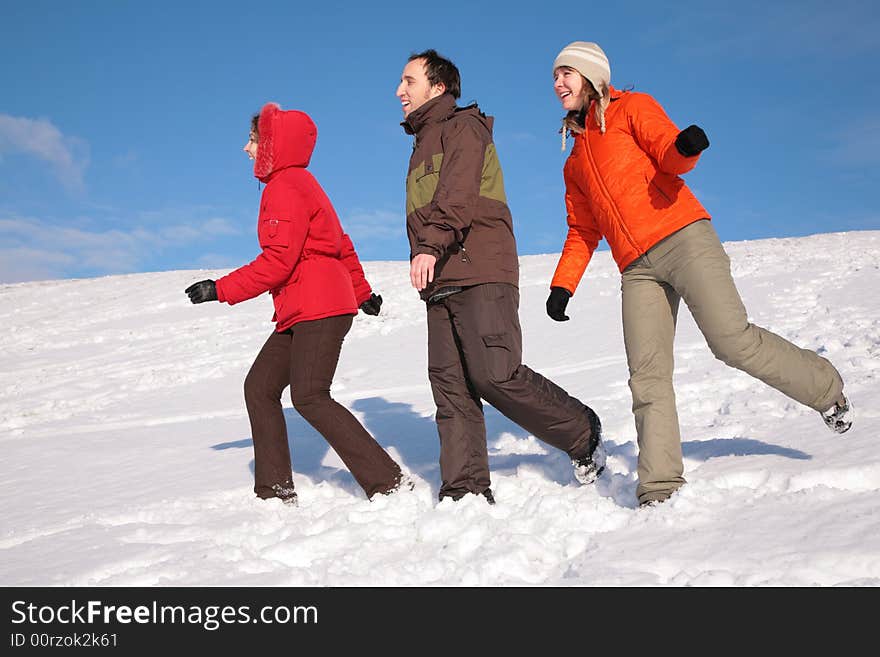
(274, 232)
(421, 183)
(499, 358)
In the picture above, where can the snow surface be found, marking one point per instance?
(127, 455)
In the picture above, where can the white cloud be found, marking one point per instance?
(21, 228)
(21, 264)
(193, 232)
(216, 261)
(53, 250)
(858, 143)
(125, 160)
(39, 138)
(38, 249)
(517, 137)
(374, 224)
(758, 29)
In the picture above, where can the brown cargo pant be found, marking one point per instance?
(692, 265)
(474, 351)
(305, 358)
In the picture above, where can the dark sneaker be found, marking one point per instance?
(588, 468)
(839, 418)
(286, 494)
(490, 498)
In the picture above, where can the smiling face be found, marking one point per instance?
(571, 88)
(415, 89)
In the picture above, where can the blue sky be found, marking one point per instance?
(121, 123)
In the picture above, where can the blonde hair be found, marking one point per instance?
(574, 123)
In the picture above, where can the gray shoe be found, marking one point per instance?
(839, 418)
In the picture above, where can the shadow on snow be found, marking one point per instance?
(412, 440)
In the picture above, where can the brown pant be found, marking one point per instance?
(474, 351)
(305, 357)
(691, 264)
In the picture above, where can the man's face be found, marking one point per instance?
(415, 89)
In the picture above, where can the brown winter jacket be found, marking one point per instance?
(456, 209)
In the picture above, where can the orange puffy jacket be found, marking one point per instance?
(624, 185)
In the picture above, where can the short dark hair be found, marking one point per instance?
(440, 70)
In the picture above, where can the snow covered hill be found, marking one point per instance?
(127, 456)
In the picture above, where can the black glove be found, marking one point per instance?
(202, 291)
(556, 303)
(691, 141)
(372, 305)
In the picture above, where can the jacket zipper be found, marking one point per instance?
(660, 191)
(595, 169)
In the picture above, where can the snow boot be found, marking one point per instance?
(404, 482)
(588, 468)
(286, 494)
(839, 418)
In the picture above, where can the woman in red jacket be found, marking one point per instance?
(622, 182)
(310, 267)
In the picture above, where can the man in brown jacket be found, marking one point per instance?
(465, 266)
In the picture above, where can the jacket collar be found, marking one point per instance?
(590, 117)
(435, 110)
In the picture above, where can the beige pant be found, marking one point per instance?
(691, 264)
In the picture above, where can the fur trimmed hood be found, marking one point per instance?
(287, 139)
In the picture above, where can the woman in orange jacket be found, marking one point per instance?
(622, 182)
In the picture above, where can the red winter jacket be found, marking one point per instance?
(308, 264)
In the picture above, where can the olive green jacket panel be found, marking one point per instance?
(455, 202)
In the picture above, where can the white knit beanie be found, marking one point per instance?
(589, 60)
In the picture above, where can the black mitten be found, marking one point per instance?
(556, 303)
(691, 141)
(202, 291)
(372, 305)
